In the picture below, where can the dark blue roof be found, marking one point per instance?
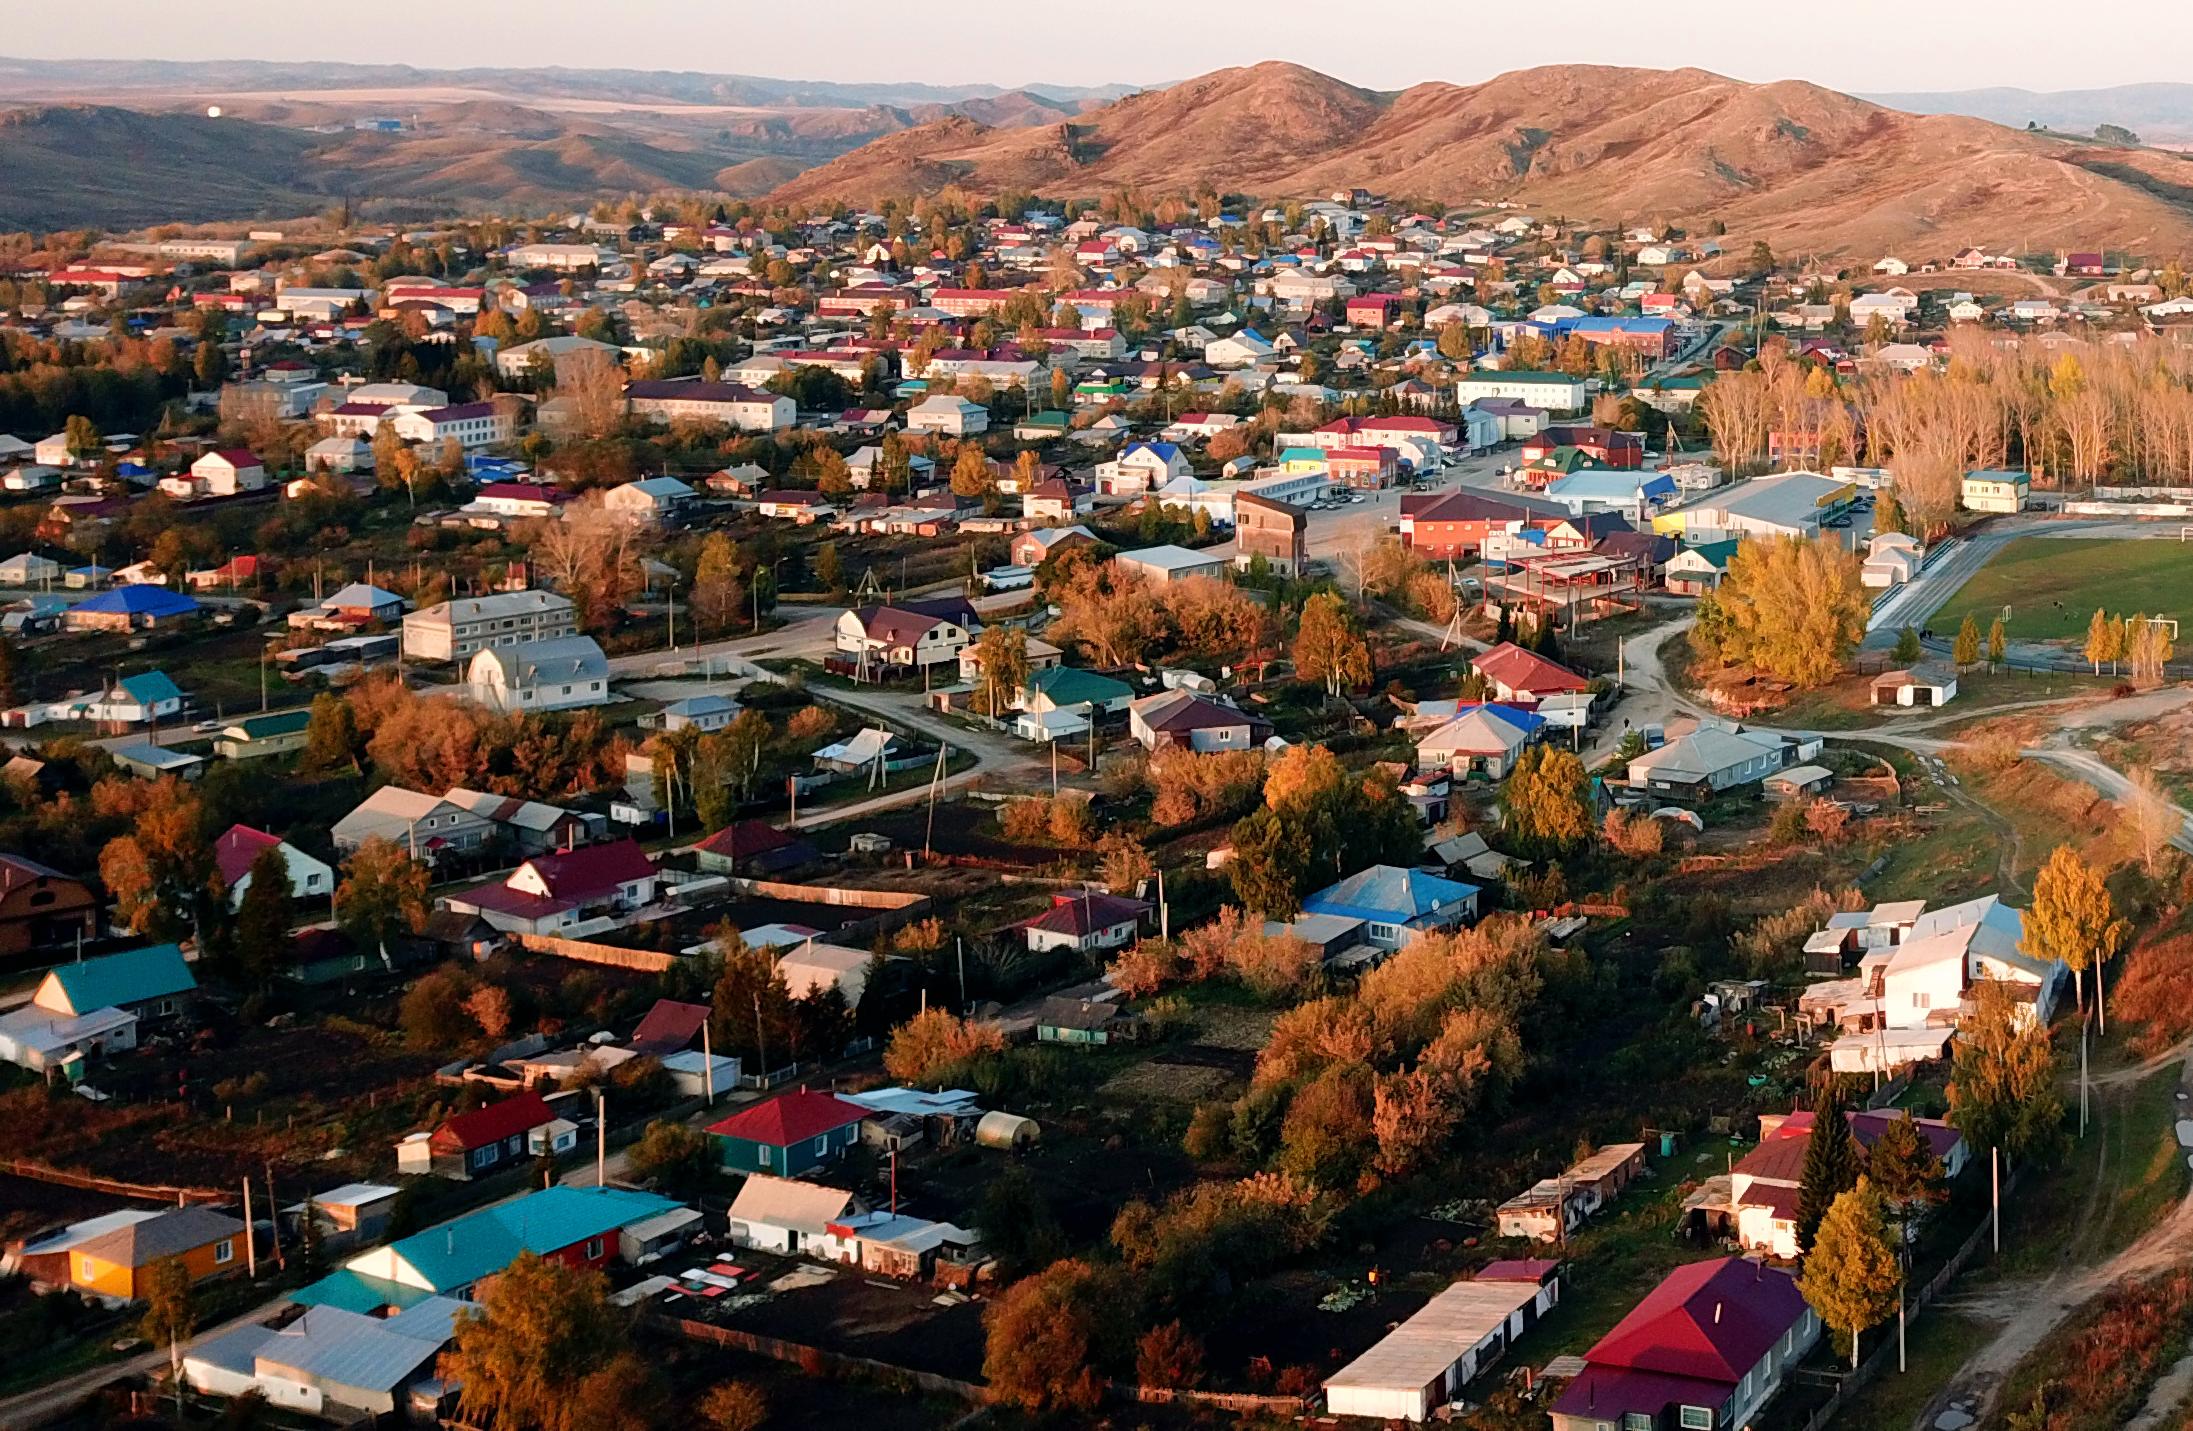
(141, 601)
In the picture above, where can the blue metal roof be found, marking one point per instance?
(131, 977)
(1388, 894)
(141, 601)
(357, 1292)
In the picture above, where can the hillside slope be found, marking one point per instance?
(1798, 165)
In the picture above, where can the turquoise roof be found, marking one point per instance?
(461, 1252)
(131, 977)
(356, 1292)
(1067, 686)
(149, 688)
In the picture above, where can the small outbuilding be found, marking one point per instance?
(999, 1129)
(1926, 684)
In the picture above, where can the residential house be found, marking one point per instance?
(153, 983)
(751, 847)
(1396, 905)
(1482, 741)
(551, 893)
(794, 505)
(558, 674)
(471, 425)
(911, 635)
(1032, 549)
(1516, 675)
(1712, 759)
(465, 1146)
(1202, 723)
(948, 415)
(130, 608)
(783, 1215)
(426, 825)
(108, 1257)
(1056, 500)
(576, 1227)
(786, 1135)
(42, 908)
(1763, 1187)
(530, 826)
(1095, 1023)
(457, 630)
(657, 502)
(1706, 1348)
(240, 845)
(1084, 922)
(227, 471)
(1141, 466)
(329, 1361)
(815, 964)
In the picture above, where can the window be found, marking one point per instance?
(1919, 1000)
(1697, 1418)
(763, 1150)
(1636, 1421)
(822, 1144)
(224, 1250)
(593, 1248)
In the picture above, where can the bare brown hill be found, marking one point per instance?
(1806, 168)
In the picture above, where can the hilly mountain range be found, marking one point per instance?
(2159, 113)
(1805, 168)
(1808, 169)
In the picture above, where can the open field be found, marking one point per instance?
(2053, 586)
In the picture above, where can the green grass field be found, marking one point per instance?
(2054, 585)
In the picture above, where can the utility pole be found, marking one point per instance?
(1995, 1198)
(601, 1137)
(708, 1066)
(251, 1243)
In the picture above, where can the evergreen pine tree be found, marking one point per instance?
(1831, 1164)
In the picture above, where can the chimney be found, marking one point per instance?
(1717, 1314)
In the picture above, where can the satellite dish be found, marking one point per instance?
(213, 111)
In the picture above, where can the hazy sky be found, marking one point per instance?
(1863, 45)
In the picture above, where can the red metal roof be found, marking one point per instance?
(235, 850)
(493, 1123)
(1710, 1321)
(592, 869)
(1080, 914)
(789, 1118)
(746, 838)
(1509, 665)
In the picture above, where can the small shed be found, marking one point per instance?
(1798, 780)
(999, 1129)
(1926, 684)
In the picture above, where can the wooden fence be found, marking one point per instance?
(650, 961)
(1848, 1385)
(810, 1358)
(163, 1192)
(1241, 1402)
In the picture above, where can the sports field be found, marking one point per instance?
(2053, 586)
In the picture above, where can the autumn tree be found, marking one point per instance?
(1329, 646)
(332, 740)
(734, 1406)
(2002, 1082)
(1318, 823)
(171, 1308)
(593, 383)
(2073, 918)
(750, 1010)
(161, 873)
(1169, 1355)
(2155, 817)
(1049, 1337)
(1002, 652)
(547, 1352)
(1997, 644)
(2104, 641)
(1111, 613)
(1794, 608)
(1546, 801)
(383, 894)
(1852, 1272)
(718, 593)
(1966, 650)
(592, 555)
(971, 472)
(934, 1042)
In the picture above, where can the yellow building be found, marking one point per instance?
(109, 1256)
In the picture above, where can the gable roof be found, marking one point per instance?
(591, 869)
(237, 848)
(789, 1118)
(669, 1024)
(495, 1122)
(111, 980)
(1708, 1320)
(173, 1231)
(1510, 665)
(1080, 914)
(786, 1202)
(460, 1252)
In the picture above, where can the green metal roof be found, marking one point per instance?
(356, 1292)
(264, 727)
(1068, 686)
(131, 977)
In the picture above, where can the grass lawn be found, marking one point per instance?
(1937, 1343)
(2054, 585)
(1847, 704)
